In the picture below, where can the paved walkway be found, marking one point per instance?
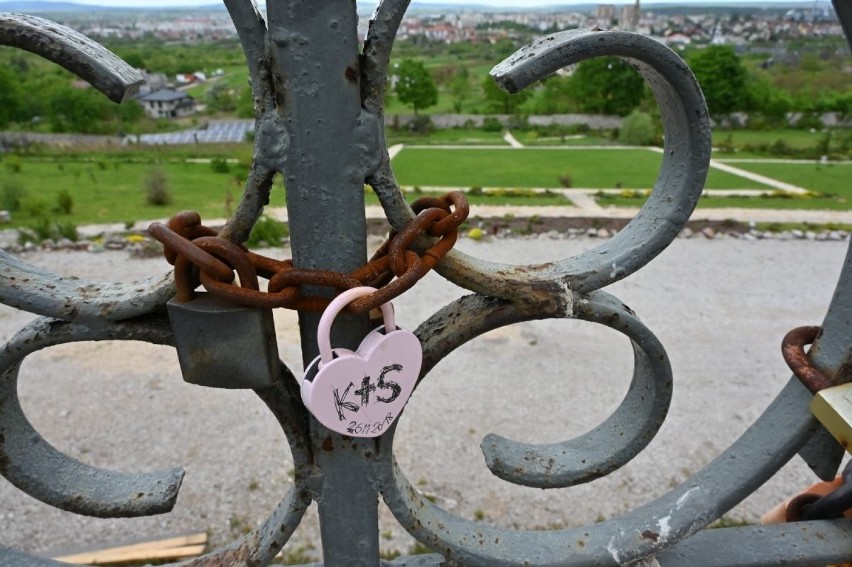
(511, 140)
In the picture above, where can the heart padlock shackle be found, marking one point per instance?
(221, 344)
(361, 393)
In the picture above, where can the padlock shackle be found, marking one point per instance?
(330, 313)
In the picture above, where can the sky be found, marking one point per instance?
(370, 4)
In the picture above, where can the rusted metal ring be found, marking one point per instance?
(205, 261)
(234, 255)
(405, 238)
(301, 276)
(416, 270)
(185, 279)
(796, 507)
(180, 223)
(460, 212)
(793, 351)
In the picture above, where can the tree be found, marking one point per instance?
(459, 88)
(768, 102)
(11, 98)
(499, 101)
(556, 97)
(722, 78)
(607, 85)
(415, 86)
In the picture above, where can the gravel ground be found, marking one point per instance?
(124, 406)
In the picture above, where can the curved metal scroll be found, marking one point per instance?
(619, 438)
(596, 453)
(37, 468)
(85, 58)
(684, 168)
(36, 290)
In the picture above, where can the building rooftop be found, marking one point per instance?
(164, 95)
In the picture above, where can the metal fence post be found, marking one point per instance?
(319, 115)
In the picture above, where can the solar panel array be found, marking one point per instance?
(214, 133)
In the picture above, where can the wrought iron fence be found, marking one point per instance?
(319, 122)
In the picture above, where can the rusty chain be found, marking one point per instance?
(200, 256)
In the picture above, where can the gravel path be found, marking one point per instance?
(719, 306)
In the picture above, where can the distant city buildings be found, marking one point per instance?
(470, 25)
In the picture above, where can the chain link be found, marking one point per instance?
(200, 256)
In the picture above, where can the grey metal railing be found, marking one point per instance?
(319, 122)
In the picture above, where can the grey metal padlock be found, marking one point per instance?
(224, 345)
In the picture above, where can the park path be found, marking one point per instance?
(583, 206)
(777, 184)
(511, 140)
(395, 149)
(781, 185)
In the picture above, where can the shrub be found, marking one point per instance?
(491, 124)
(64, 202)
(810, 121)
(566, 181)
(269, 232)
(219, 165)
(726, 146)
(637, 129)
(13, 164)
(779, 147)
(156, 186)
(38, 207)
(475, 191)
(421, 124)
(42, 228)
(67, 230)
(12, 194)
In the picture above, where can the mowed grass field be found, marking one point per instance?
(833, 178)
(114, 191)
(111, 186)
(530, 167)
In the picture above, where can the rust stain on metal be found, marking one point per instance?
(793, 351)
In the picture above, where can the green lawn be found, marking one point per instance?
(529, 167)
(142, 153)
(830, 178)
(793, 138)
(450, 136)
(593, 139)
(107, 185)
(810, 204)
(234, 77)
(113, 191)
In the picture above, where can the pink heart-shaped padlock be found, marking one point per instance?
(361, 393)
